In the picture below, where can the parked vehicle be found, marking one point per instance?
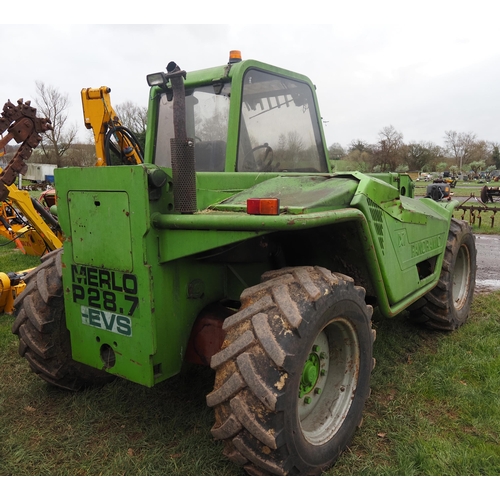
(233, 244)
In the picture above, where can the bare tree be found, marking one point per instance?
(358, 145)
(213, 128)
(359, 160)
(461, 146)
(132, 116)
(421, 156)
(360, 156)
(336, 151)
(388, 153)
(295, 144)
(53, 104)
(481, 151)
(81, 155)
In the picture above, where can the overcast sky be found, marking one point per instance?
(423, 67)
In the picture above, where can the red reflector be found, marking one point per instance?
(263, 206)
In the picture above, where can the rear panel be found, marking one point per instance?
(108, 289)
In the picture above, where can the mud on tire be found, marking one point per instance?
(40, 325)
(447, 306)
(293, 375)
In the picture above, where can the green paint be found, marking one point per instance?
(137, 274)
(310, 375)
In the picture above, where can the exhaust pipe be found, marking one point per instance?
(181, 147)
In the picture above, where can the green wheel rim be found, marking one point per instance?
(328, 381)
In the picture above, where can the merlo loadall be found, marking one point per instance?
(235, 245)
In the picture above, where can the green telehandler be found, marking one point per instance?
(235, 245)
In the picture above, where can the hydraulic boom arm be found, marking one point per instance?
(109, 133)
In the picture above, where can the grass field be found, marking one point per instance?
(434, 411)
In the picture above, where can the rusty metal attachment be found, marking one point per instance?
(22, 125)
(490, 194)
(476, 211)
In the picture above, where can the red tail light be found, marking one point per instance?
(263, 206)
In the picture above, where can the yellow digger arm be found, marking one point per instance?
(100, 116)
(38, 219)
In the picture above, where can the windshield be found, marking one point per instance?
(207, 116)
(278, 132)
(279, 126)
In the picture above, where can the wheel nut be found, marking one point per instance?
(307, 400)
(317, 390)
(315, 348)
(322, 372)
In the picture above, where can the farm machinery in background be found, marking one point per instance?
(31, 223)
(485, 206)
(438, 191)
(489, 195)
(23, 220)
(441, 190)
(24, 127)
(28, 223)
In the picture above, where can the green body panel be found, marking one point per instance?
(142, 310)
(137, 274)
(94, 238)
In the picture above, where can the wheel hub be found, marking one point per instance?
(310, 374)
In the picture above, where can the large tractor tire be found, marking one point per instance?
(40, 325)
(447, 306)
(293, 374)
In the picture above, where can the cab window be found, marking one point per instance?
(279, 127)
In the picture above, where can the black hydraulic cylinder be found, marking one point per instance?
(46, 216)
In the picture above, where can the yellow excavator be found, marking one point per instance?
(28, 221)
(22, 219)
(33, 229)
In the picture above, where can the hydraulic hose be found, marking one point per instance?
(46, 216)
(109, 146)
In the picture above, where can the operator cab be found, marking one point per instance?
(276, 129)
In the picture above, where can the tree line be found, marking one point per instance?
(462, 152)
